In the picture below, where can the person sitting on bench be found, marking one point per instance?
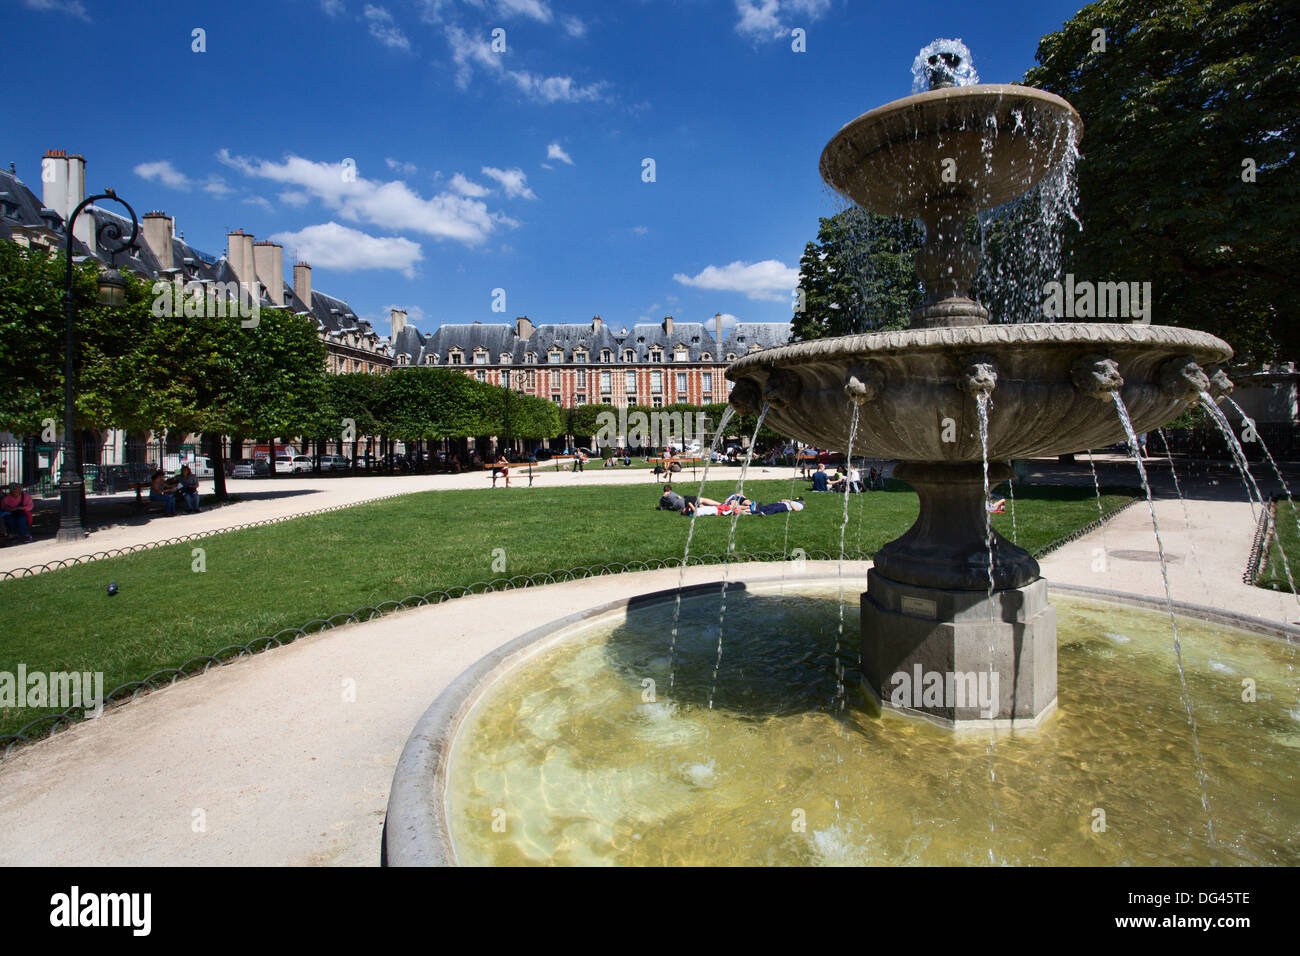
(164, 490)
(17, 507)
(189, 489)
(502, 468)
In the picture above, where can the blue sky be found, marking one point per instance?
(476, 170)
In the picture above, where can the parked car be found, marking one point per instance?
(247, 469)
(300, 463)
(283, 465)
(333, 463)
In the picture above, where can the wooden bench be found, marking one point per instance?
(499, 472)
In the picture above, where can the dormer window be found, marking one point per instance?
(506, 358)
(682, 354)
(580, 355)
(731, 356)
(706, 357)
(456, 357)
(401, 359)
(555, 356)
(530, 358)
(629, 356)
(606, 355)
(656, 355)
(431, 359)
(480, 356)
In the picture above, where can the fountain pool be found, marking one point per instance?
(573, 765)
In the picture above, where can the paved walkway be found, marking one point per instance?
(280, 769)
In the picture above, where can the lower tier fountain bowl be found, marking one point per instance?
(1049, 387)
(573, 750)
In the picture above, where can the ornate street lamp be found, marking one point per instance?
(112, 291)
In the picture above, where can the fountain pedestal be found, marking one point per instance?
(941, 636)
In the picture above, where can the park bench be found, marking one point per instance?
(498, 472)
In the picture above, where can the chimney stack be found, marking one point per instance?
(302, 283)
(595, 324)
(249, 275)
(268, 266)
(668, 325)
(398, 317)
(63, 179)
(717, 328)
(158, 228)
(524, 327)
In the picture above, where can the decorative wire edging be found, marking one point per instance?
(1089, 528)
(50, 724)
(1264, 530)
(56, 565)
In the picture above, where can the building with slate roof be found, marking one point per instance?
(577, 364)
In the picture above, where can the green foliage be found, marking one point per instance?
(1185, 92)
(859, 276)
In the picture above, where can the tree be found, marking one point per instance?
(1188, 176)
(859, 276)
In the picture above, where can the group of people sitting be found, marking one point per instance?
(733, 504)
(17, 507)
(166, 490)
(846, 479)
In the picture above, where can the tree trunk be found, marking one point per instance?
(216, 455)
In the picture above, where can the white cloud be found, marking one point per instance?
(332, 8)
(385, 29)
(393, 205)
(470, 53)
(533, 9)
(574, 27)
(162, 171)
(513, 181)
(728, 323)
(768, 280)
(259, 201)
(294, 197)
(467, 187)
(639, 230)
(72, 7)
(556, 151)
(398, 166)
(773, 19)
(332, 246)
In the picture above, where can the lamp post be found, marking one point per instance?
(112, 291)
(505, 376)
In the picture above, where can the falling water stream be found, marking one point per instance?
(1187, 515)
(731, 543)
(982, 400)
(1250, 425)
(848, 494)
(690, 533)
(1136, 453)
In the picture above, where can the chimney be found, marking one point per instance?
(302, 283)
(235, 252)
(268, 266)
(668, 325)
(595, 324)
(717, 328)
(249, 275)
(63, 181)
(84, 227)
(398, 317)
(158, 237)
(524, 327)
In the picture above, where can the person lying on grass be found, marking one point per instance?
(672, 501)
(747, 508)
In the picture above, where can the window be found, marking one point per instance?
(681, 354)
(605, 384)
(481, 375)
(480, 356)
(706, 381)
(505, 379)
(455, 357)
(681, 383)
(656, 355)
(555, 357)
(656, 383)
(579, 355)
(505, 358)
(629, 356)
(631, 382)
(431, 360)
(657, 402)
(530, 358)
(555, 397)
(580, 399)
(706, 357)
(606, 355)
(731, 356)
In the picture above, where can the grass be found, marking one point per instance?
(1285, 539)
(261, 580)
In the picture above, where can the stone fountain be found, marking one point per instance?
(947, 598)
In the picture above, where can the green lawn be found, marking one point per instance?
(261, 580)
(1272, 574)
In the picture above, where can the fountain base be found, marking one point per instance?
(959, 657)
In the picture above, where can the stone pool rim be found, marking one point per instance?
(416, 831)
